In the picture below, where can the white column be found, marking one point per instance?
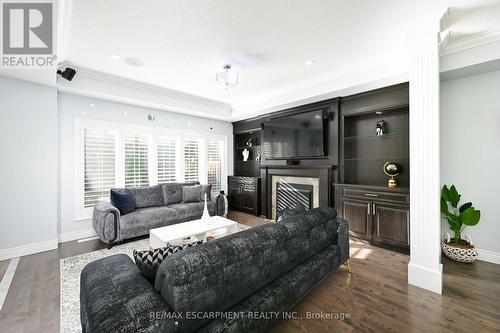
(425, 268)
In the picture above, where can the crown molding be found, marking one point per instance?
(120, 81)
(449, 46)
(109, 87)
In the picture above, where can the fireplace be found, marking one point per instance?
(289, 192)
(290, 195)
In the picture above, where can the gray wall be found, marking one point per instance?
(28, 165)
(470, 149)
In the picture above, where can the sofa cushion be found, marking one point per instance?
(191, 210)
(148, 261)
(206, 189)
(191, 193)
(172, 192)
(223, 272)
(148, 196)
(144, 219)
(122, 199)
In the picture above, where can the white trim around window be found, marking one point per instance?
(154, 134)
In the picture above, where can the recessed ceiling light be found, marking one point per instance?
(310, 62)
(115, 57)
(378, 112)
(133, 61)
(92, 105)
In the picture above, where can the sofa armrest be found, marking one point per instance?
(220, 204)
(116, 297)
(106, 222)
(343, 239)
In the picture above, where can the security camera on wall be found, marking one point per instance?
(68, 74)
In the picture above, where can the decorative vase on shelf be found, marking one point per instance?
(245, 153)
(206, 216)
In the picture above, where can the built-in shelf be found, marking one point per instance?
(370, 137)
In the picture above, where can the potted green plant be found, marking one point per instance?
(458, 217)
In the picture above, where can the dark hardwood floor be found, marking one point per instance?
(375, 296)
(3, 268)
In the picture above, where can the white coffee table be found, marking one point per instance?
(174, 234)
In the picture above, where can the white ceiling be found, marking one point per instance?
(183, 43)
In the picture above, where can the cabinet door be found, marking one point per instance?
(391, 223)
(234, 197)
(248, 199)
(357, 212)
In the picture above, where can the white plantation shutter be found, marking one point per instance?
(136, 159)
(99, 154)
(214, 164)
(166, 159)
(191, 159)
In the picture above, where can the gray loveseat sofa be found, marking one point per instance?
(217, 286)
(155, 206)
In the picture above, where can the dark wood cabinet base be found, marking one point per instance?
(377, 215)
(244, 194)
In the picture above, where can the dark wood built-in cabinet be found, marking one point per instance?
(351, 176)
(244, 186)
(376, 214)
(244, 194)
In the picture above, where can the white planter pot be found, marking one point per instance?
(458, 253)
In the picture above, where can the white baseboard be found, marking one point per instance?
(76, 235)
(489, 256)
(426, 278)
(25, 250)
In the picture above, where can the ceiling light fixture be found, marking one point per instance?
(115, 57)
(227, 78)
(310, 62)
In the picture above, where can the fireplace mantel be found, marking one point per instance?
(322, 172)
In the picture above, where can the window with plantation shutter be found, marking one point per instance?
(214, 164)
(191, 159)
(166, 159)
(99, 154)
(136, 159)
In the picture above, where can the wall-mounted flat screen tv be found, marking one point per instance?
(303, 135)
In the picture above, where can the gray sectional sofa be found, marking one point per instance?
(155, 206)
(217, 286)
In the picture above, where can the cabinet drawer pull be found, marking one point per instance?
(371, 195)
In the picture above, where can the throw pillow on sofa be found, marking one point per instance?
(206, 189)
(123, 200)
(191, 193)
(148, 261)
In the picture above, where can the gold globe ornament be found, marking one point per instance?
(391, 169)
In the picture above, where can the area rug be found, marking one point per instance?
(71, 268)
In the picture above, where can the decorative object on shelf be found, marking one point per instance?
(381, 128)
(206, 215)
(459, 217)
(245, 153)
(391, 169)
(249, 142)
(258, 156)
